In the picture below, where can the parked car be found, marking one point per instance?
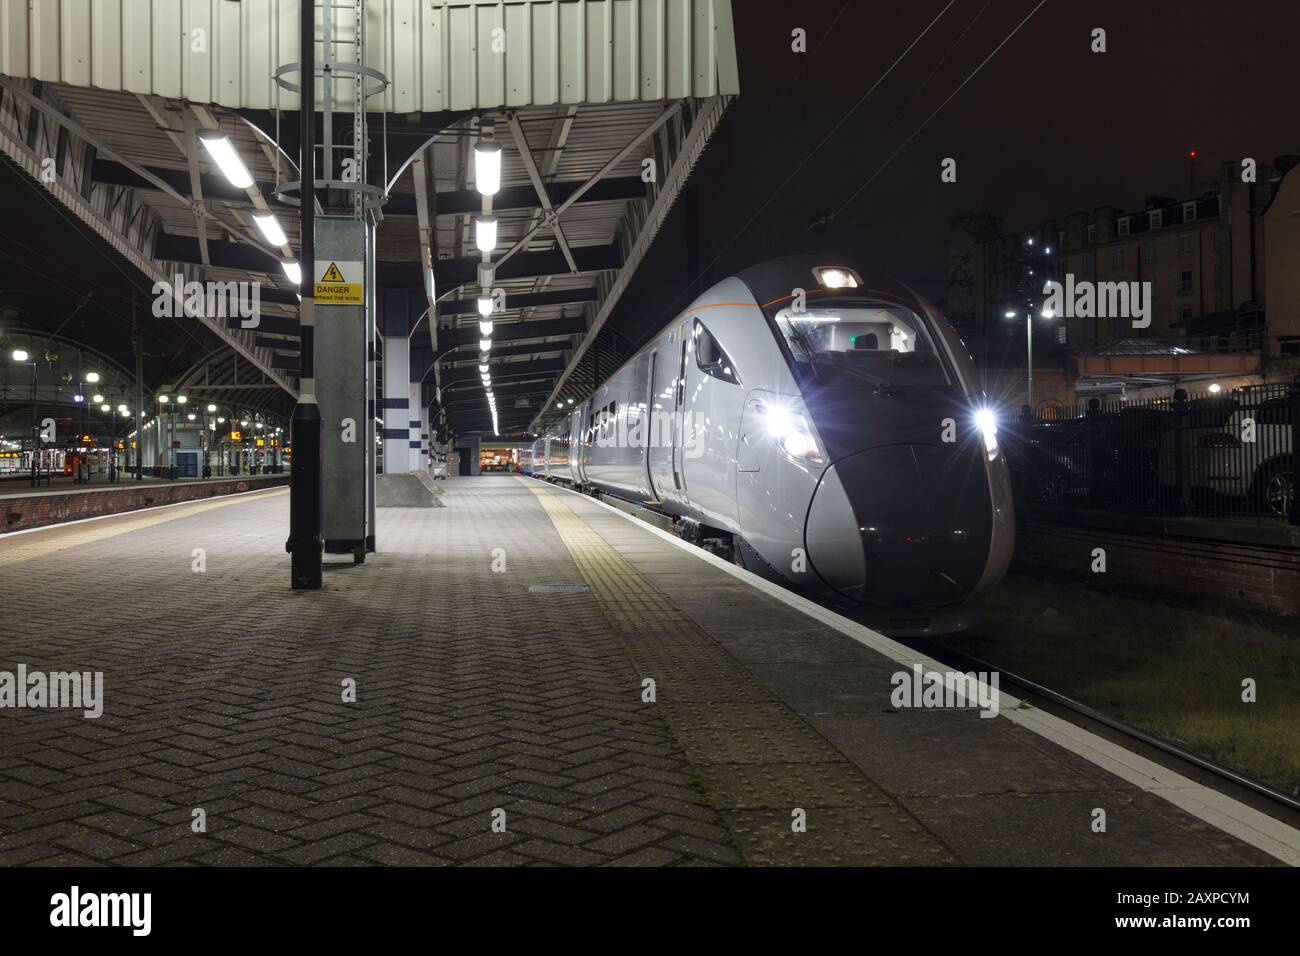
(1239, 450)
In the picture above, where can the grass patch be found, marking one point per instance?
(1172, 671)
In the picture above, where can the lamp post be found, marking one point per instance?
(165, 406)
(209, 432)
(1027, 285)
(21, 357)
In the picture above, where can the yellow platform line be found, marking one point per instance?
(41, 542)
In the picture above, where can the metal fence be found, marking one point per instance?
(1217, 454)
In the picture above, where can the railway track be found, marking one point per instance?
(1252, 793)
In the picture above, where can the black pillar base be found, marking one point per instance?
(306, 498)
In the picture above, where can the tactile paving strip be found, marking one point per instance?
(757, 759)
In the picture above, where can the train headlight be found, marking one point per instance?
(836, 277)
(792, 434)
(987, 422)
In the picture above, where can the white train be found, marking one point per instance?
(831, 427)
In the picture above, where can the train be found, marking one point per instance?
(826, 425)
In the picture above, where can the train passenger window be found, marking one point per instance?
(711, 358)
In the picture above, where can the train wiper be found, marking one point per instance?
(797, 334)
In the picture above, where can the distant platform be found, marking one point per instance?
(24, 507)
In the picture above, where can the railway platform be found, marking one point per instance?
(524, 675)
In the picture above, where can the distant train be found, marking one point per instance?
(830, 427)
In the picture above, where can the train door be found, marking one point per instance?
(578, 445)
(652, 418)
(664, 367)
(679, 408)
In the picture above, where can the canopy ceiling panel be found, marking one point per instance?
(438, 54)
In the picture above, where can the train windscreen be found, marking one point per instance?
(886, 344)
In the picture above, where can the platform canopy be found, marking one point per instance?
(578, 92)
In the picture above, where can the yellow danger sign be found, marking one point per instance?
(340, 282)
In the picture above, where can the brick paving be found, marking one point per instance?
(474, 696)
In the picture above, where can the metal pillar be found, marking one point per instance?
(341, 361)
(139, 391)
(372, 380)
(305, 544)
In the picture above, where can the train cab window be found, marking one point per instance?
(881, 342)
(710, 357)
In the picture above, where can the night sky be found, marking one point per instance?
(1044, 129)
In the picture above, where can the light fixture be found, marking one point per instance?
(243, 423)
(163, 399)
(122, 408)
(1216, 388)
(1047, 251)
(223, 152)
(487, 168)
(105, 407)
(92, 377)
(191, 416)
(270, 227)
(97, 398)
(483, 368)
(485, 328)
(485, 233)
(1009, 315)
(987, 422)
(212, 408)
(484, 344)
(1048, 313)
(1030, 240)
(791, 432)
(570, 401)
(293, 270)
(485, 305)
(181, 399)
(221, 421)
(20, 355)
(836, 277)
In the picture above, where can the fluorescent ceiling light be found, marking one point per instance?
(485, 328)
(293, 270)
(270, 227)
(223, 153)
(484, 344)
(485, 233)
(485, 307)
(487, 168)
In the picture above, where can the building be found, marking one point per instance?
(1204, 256)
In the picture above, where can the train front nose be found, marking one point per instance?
(904, 525)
